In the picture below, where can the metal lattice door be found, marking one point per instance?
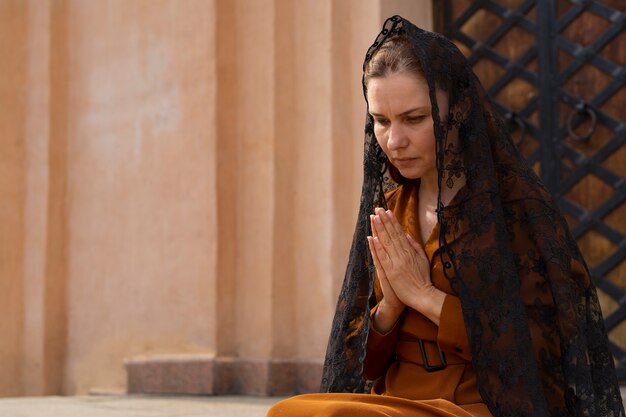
(555, 69)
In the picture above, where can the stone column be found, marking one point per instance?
(37, 353)
(13, 99)
(134, 139)
(291, 115)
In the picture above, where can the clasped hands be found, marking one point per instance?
(403, 272)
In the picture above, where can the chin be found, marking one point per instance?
(410, 174)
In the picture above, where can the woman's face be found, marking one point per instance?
(403, 124)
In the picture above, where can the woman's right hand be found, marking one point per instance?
(390, 307)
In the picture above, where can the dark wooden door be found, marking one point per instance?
(555, 69)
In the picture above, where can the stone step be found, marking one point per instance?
(210, 375)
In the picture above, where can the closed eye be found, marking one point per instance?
(415, 119)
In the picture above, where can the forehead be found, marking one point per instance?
(397, 91)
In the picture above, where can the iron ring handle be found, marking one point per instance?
(582, 109)
(512, 117)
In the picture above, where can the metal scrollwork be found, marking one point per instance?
(582, 110)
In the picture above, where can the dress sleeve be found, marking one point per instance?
(452, 335)
(378, 349)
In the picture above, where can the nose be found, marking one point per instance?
(397, 137)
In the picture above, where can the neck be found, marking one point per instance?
(429, 189)
(428, 185)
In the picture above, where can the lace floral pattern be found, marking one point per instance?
(536, 331)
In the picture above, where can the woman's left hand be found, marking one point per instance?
(406, 266)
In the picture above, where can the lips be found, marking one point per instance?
(403, 161)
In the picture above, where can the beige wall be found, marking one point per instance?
(178, 177)
(12, 177)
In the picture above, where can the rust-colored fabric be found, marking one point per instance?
(404, 387)
(367, 405)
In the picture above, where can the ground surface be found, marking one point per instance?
(135, 406)
(140, 406)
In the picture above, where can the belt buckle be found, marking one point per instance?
(432, 368)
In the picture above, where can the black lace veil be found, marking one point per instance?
(539, 346)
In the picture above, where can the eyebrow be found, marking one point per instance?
(404, 113)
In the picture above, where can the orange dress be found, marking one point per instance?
(404, 386)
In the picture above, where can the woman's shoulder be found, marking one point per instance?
(393, 194)
(401, 192)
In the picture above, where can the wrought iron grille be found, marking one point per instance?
(555, 69)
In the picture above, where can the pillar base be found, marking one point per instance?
(210, 375)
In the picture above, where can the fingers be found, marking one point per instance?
(386, 233)
(390, 233)
(416, 246)
(385, 285)
(371, 242)
(391, 225)
(377, 264)
(374, 243)
(374, 233)
(397, 227)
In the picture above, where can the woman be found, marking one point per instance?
(464, 294)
